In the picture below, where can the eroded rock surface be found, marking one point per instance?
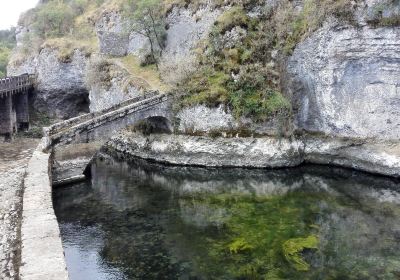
(120, 88)
(345, 81)
(201, 119)
(60, 89)
(380, 157)
(206, 151)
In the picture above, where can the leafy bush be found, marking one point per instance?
(54, 19)
(235, 16)
(7, 43)
(207, 87)
(99, 73)
(65, 25)
(4, 56)
(57, 18)
(147, 18)
(378, 18)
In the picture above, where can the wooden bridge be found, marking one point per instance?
(14, 107)
(13, 85)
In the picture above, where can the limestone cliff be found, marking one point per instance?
(345, 81)
(342, 78)
(60, 88)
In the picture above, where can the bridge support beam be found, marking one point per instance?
(22, 110)
(7, 117)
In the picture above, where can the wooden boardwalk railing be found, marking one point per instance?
(12, 85)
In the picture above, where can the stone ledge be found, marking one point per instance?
(378, 157)
(42, 255)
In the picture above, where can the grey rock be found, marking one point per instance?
(139, 45)
(370, 11)
(206, 151)
(121, 88)
(185, 31)
(113, 34)
(381, 157)
(202, 119)
(345, 81)
(20, 33)
(60, 90)
(113, 43)
(233, 38)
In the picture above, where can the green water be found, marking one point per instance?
(145, 221)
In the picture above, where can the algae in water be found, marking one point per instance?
(292, 249)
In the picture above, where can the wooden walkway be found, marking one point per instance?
(12, 85)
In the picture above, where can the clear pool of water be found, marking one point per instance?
(146, 221)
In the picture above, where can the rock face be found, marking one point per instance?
(201, 119)
(374, 157)
(112, 34)
(206, 151)
(60, 89)
(185, 30)
(378, 157)
(121, 87)
(204, 119)
(345, 81)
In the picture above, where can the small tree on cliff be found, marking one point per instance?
(147, 18)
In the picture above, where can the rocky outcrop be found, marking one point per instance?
(60, 88)
(116, 38)
(374, 157)
(378, 157)
(185, 30)
(201, 119)
(120, 87)
(204, 119)
(206, 151)
(113, 34)
(344, 79)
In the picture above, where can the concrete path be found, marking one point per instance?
(13, 160)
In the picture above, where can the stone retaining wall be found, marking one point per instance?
(42, 255)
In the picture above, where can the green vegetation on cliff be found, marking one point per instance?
(241, 61)
(7, 43)
(239, 64)
(63, 25)
(146, 18)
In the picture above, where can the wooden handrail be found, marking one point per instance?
(11, 85)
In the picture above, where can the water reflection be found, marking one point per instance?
(146, 221)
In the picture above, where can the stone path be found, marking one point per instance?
(13, 160)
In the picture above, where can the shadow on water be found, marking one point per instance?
(140, 220)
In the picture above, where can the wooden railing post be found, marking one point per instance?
(15, 84)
